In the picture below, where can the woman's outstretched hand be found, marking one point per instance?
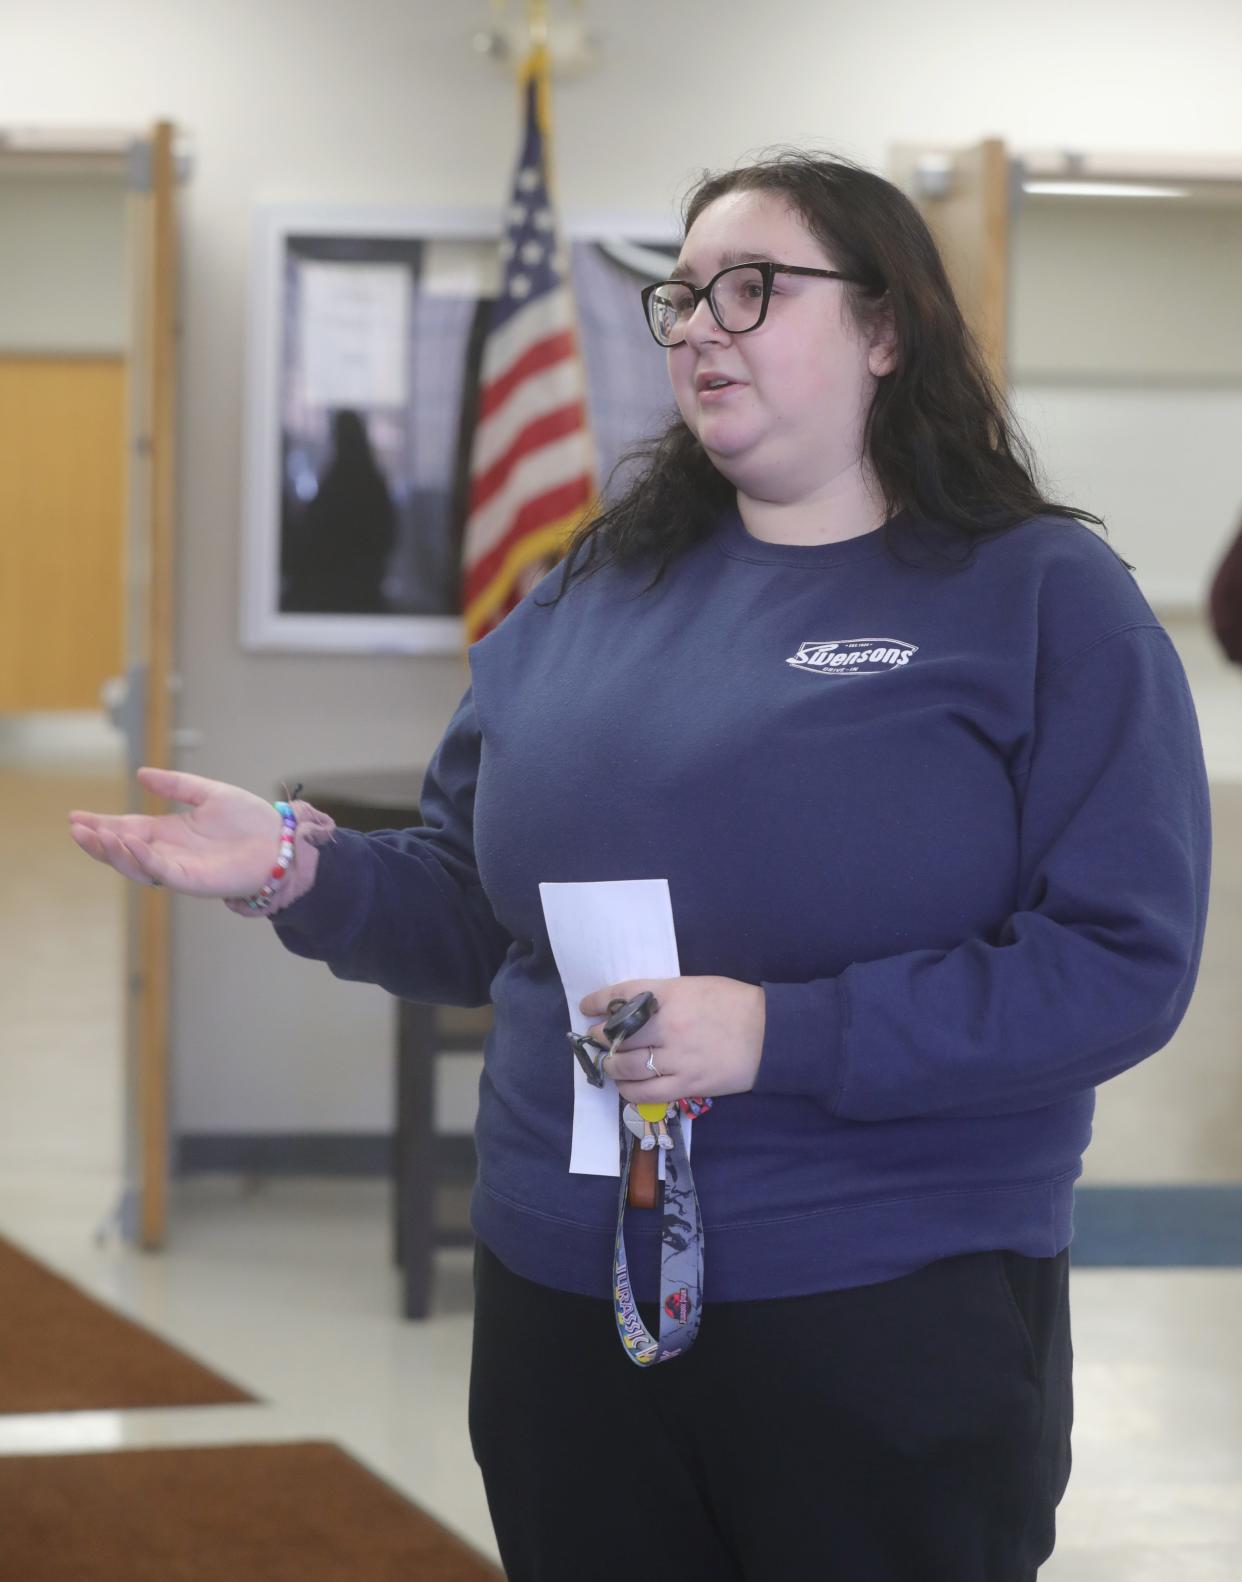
(224, 844)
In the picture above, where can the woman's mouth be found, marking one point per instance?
(717, 390)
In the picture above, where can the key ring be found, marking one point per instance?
(625, 1018)
(590, 1056)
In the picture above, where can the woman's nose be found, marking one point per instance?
(702, 326)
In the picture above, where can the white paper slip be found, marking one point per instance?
(601, 934)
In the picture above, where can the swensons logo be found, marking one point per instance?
(853, 656)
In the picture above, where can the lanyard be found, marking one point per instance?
(681, 1258)
(681, 1235)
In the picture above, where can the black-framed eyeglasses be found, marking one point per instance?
(738, 297)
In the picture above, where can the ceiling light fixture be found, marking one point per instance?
(1100, 189)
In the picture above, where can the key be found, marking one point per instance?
(625, 1017)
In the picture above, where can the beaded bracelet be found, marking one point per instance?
(288, 830)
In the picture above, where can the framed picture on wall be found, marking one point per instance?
(366, 328)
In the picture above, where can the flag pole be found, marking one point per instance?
(539, 62)
(522, 513)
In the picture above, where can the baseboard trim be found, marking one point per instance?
(1158, 1227)
(1115, 1227)
(355, 1154)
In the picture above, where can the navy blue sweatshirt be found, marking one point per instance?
(951, 814)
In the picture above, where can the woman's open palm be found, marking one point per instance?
(224, 844)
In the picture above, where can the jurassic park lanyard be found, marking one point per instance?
(652, 1127)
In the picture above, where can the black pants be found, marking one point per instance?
(911, 1431)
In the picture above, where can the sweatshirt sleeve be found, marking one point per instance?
(405, 908)
(1095, 967)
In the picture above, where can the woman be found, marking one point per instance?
(924, 776)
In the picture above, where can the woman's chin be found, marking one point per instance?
(724, 441)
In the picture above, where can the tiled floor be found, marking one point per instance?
(286, 1286)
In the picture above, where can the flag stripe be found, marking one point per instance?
(546, 468)
(542, 430)
(544, 542)
(543, 354)
(564, 503)
(535, 321)
(544, 392)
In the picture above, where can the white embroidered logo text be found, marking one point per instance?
(853, 656)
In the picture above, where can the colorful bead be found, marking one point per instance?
(284, 859)
(285, 856)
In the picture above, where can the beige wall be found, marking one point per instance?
(1113, 293)
(298, 101)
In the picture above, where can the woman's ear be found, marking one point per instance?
(882, 357)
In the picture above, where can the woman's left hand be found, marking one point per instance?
(705, 1039)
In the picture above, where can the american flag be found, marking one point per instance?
(532, 465)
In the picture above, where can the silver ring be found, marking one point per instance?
(651, 1065)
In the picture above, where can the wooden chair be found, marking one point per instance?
(424, 1161)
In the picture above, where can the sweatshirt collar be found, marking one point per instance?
(733, 539)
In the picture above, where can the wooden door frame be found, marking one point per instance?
(153, 530)
(975, 191)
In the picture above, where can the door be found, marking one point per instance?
(968, 197)
(62, 418)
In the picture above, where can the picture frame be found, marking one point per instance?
(365, 326)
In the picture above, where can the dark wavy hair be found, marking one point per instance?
(941, 439)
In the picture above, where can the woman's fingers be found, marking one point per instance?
(153, 869)
(108, 848)
(85, 837)
(118, 855)
(630, 1065)
(636, 1082)
(122, 825)
(651, 1091)
(169, 783)
(176, 785)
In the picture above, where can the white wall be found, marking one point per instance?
(303, 100)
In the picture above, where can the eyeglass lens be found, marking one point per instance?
(737, 298)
